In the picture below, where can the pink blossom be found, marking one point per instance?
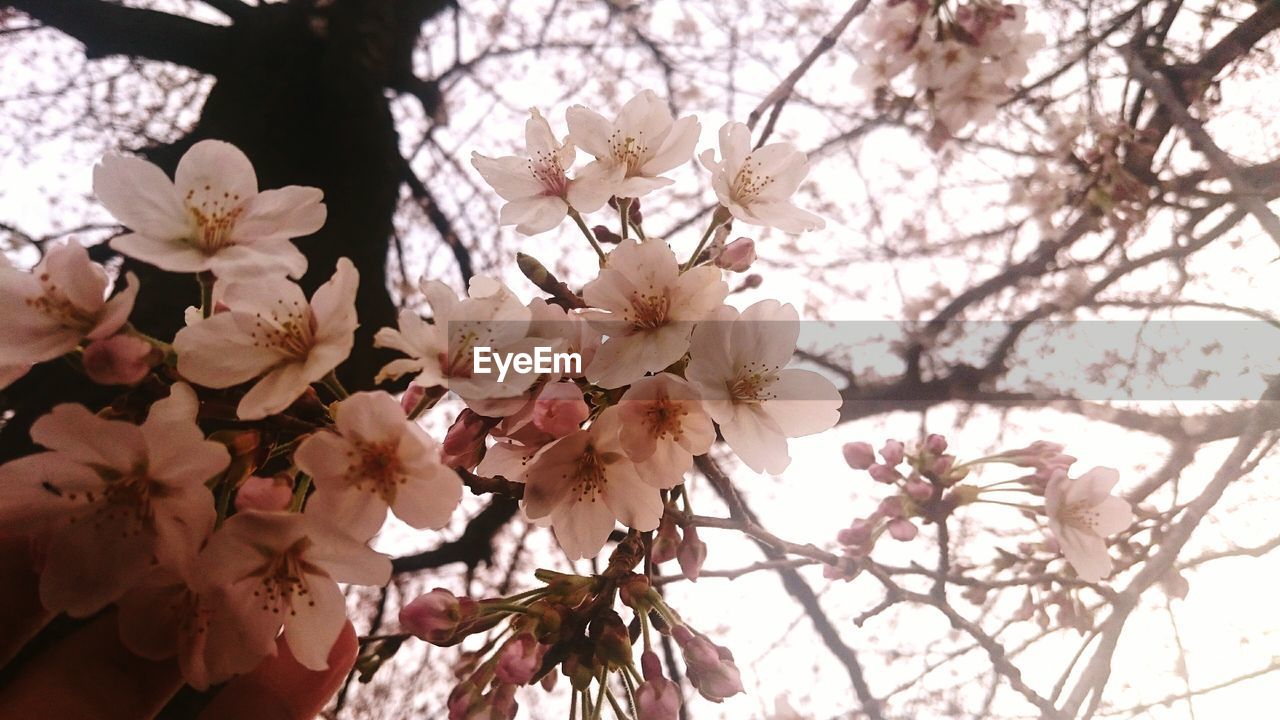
(892, 452)
(691, 553)
(436, 616)
(710, 667)
(902, 529)
(657, 698)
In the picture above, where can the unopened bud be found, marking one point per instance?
(439, 617)
(918, 489)
(519, 659)
(737, 256)
(902, 529)
(935, 444)
(691, 553)
(892, 452)
(119, 360)
(666, 543)
(859, 455)
(268, 494)
(560, 409)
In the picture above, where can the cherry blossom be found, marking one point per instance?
(47, 312)
(441, 352)
(640, 145)
(271, 332)
(376, 459)
(663, 428)
(538, 192)
(648, 308)
(211, 216)
(274, 568)
(738, 363)
(119, 360)
(113, 499)
(756, 185)
(583, 483)
(1082, 513)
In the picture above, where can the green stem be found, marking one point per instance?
(205, 279)
(335, 386)
(598, 711)
(300, 492)
(591, 237)
(717, 219)
(624, 211)
(426, 402)
(617, 709)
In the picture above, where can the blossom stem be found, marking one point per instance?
(573, 704)
(205, 280)
(622, 714)
(598, 712)
(624, 212)
(1019, 506)
(717, 219)
(426, 402)
(300, 492)
(332, 382)
(591, 238)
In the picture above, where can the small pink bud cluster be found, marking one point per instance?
(668, 544)
(710, 668)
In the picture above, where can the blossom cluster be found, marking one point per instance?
(235, 482)
(1079, 513)
(965, 58)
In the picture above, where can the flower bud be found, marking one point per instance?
(519, 659)
(737, 256)
(559, 409)
(657, 697)
(856, 534)
(691, 553)
(891, 507)
(859, 455)
(883, 473)
(710, 668)
(412, 396)
(438, 616)
(918, 489)
(463, 445)
(942, 465)
(118, 360)
(892, 452)
(634, 591)
(935, 444)
(464, 699)
(902, 529)
(666, 543)
(268, 494)
(605, 236)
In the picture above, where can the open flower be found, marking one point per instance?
(1082, 513)
(649, 310)
(377, 459)
(738, 365)
(210, 217)
(274, 568)
(536, 188)
(641, 144)
(583, 483)
(270, 330)
(663, 427)
(756, 185)
(62, 301)
(442, 351)
(112, 498)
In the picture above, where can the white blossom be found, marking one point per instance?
(1082, 514)
(638, 147)
(756, 185)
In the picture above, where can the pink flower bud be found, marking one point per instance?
(666, 544)
(657, 697)
(857, 533)
(709, 667)
(883, 473)
(411, 398)
(902, 529)
(264, 493)
(942, 466)
(559, 409)
(919, 489)
(892, 452)
(891, 507)
(519, 659)
(935, 444)
(464, 698)
(463, 445)
(691, 553)
(118, 360)
(437, 616)
(859, 455)
(737, 256)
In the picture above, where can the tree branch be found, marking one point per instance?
(108, 29)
